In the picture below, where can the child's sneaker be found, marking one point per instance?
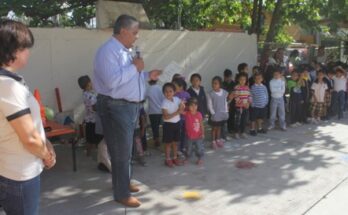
(213, 145)
(236, 136)
(283, 129)
(271, 127)
(253, 133)
(177, 162)
(220, 143)
(169, 163)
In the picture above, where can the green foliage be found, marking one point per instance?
(198, 14)
(283, 39)
(192, 14)
(42, 12)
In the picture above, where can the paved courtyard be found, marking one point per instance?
(301, 171)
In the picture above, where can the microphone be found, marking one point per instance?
(137, 52)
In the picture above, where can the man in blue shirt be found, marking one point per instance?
(119, 80)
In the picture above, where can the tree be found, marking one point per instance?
(198, 14)
(195, 14)
(42, 12)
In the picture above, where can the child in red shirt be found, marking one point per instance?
(194, 131)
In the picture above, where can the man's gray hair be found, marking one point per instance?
(124, 21)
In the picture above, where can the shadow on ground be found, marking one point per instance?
(289, 169)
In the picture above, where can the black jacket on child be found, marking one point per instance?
(202, 100)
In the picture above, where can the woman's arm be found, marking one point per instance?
(30, 137)
(52, 161)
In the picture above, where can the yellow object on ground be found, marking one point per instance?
(192, 195)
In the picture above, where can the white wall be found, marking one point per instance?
(60, 56)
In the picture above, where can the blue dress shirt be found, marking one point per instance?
(115, 75)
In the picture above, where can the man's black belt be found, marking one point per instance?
(123, 100)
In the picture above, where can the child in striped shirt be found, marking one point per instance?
(242, 97)
(258, 110)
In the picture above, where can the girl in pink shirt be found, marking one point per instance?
(194, 131)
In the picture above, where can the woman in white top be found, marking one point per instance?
(24, 149)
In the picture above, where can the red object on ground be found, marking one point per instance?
(244, 164)
(42, 108)
(59, 101)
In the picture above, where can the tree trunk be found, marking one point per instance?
(259, 16)
(254, 20)
(273, 29)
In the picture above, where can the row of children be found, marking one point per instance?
(235, 102)
(304, 95)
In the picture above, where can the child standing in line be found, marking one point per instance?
(296, 99)
(305, 84)
(155, 98)
(242, 97)
(243, 68)
(319, 88)
(198, 92)
(90, 100)
(340, 81)
(194, 130)
(217, 105)
(277, 88)
(172, 107)
(180, 92)
(258, 111)
(255, 70)
(228, 84)
(330, 103)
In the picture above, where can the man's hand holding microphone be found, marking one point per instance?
(140, 65)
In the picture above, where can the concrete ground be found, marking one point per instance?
(301, 171)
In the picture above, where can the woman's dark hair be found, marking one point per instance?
(83, 81)
(227, 73)
(192, 101)
(217, 78)
(168, 85)
(180, 82)
(14, 36)
(195, 75)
